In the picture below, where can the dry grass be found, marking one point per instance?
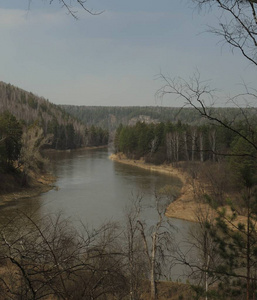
(168, 290)
(188, 205)
(185, 205)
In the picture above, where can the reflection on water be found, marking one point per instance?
(94, 189)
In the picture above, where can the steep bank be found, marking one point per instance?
(11, 189)
(10, 185)
(185, 207)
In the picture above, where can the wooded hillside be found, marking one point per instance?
(112, 116)
(66, 131)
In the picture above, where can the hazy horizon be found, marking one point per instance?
(113, 59)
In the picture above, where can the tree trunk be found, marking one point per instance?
(186, 148)
(201, 146)
(169, 147)
(193, 144)
(213, 144)
(248, 248)
(152, 276)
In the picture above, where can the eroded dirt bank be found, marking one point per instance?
(38, 184)
(10, 185)
(185, 207)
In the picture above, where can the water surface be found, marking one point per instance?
(94, 189)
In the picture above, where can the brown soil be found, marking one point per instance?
(10, 184)
(185, 207)
(11, 189)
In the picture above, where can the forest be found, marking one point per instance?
(30, 124)
(129, 261)
(218, 155)
(113, 262)
(66, 132)
(47, 258)
(112, 116)
(173, 142)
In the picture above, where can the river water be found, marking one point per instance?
(94, 189)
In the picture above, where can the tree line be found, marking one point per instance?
(226, 244)
(21, 146)
(65, 136)
(111, 116)
(174, 142)
(227, 236)
(67, 132)
(220, 159)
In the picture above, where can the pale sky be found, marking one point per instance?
(115, 57)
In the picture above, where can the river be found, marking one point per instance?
(94, 189)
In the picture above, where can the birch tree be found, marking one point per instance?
(133, 249)
(157, 248)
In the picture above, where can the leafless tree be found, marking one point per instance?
(159, 245)
(237, 24)
(237, 27)
(199, 252)
(71, 6)
(198, 94)
(46, 257)
(135, 262)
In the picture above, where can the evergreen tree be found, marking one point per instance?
(10, 140)
(237, 239)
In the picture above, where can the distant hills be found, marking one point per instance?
(67, 131)
(76, 126)
(111, 116)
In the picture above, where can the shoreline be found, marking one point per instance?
(51, 150)
(185, 206)
(164, 169)
(41, 184)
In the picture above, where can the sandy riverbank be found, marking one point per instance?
(185, 207)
